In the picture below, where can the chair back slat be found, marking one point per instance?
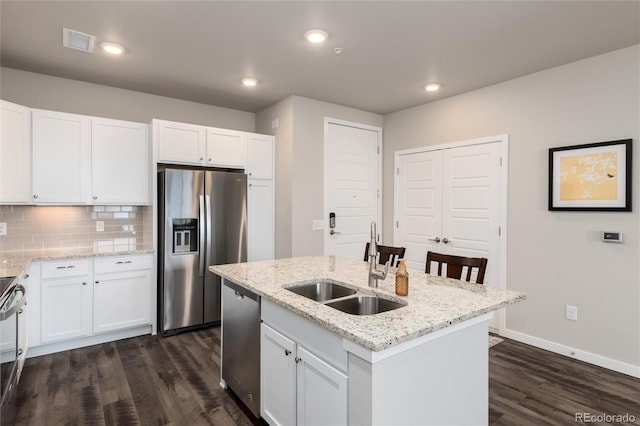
(390, 253)
(456, 264)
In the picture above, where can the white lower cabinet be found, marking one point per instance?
(67, 299)
(86, 297)
(298, 387)
(121, 293)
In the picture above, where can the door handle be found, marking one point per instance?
(332, 232)
(436, 239)
(200, 246)
(446, 240)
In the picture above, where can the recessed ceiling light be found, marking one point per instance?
(249, 82)
(316, 36)
(112, 48)
(432, 87)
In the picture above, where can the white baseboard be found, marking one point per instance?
(50, 348)
(591, 358)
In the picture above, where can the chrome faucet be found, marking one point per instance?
(374, 273)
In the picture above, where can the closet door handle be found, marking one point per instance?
(436, 239)
(446, 240)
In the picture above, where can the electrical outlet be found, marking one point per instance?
(3, 228)
(317, 225)
(100, 226)
(572, 313)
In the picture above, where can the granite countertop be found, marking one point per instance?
(13, 263)
(433, 303)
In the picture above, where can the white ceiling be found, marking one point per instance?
(199, 50)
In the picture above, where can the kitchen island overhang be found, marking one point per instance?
(426, 362)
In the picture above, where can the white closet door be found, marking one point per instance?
(418, 208)
(471, 204)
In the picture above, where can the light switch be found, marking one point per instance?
(611, 237)
(317, 225)
(99, 226)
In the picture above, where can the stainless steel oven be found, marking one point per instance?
(13, 297)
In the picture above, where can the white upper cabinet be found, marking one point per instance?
(61, 157)
(15, 153)
(180, 143)
(226, 148)
(119, 162)
(260, 156)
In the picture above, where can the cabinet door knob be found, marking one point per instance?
(84, 283)
(95, 197)
(298, 359)
(201, 158)
(287, 352)
(209, 160)
(35, 195)
(97, 282)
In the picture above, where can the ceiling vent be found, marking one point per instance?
(77, 40)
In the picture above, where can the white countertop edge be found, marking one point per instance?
(373, 356)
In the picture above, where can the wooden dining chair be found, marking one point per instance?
(455, 265)
(390, 253)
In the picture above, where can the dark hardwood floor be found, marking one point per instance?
(151, 380)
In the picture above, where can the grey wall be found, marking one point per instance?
(61, 94)
(299, 157)
(557, 258)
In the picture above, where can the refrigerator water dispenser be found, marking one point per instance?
(185, 236)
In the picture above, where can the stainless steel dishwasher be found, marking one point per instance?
(241, 344)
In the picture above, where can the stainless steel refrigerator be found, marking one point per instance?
(202, 221)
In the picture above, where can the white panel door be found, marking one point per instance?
(261, 220)
(119, 162)
(121, 300)
(226, 148)
(180, 143)
(419, 201)
(471, 204)
(351, 187)
(322, 391)
(260, 156)
(15, 153)
(61, 157)
(277, 377)
(463, 217)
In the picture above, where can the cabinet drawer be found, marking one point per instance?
(121, 263)
(65, 268)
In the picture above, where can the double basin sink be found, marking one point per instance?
(344, 299)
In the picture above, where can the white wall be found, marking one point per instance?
(61, 94)
(557, 258)
(299, 156)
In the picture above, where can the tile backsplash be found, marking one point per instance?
(53, 227)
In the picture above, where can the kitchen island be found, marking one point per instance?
(423, 363)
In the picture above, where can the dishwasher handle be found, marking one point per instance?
(240, 292)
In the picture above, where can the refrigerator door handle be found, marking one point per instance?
(207, 203)
(201, 254)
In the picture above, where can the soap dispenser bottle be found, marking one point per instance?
(402, 279)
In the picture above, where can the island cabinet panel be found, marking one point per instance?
(278, 382)
(321, 391)
(439, 379)
(303, 371)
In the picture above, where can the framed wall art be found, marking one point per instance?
(591, 177)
